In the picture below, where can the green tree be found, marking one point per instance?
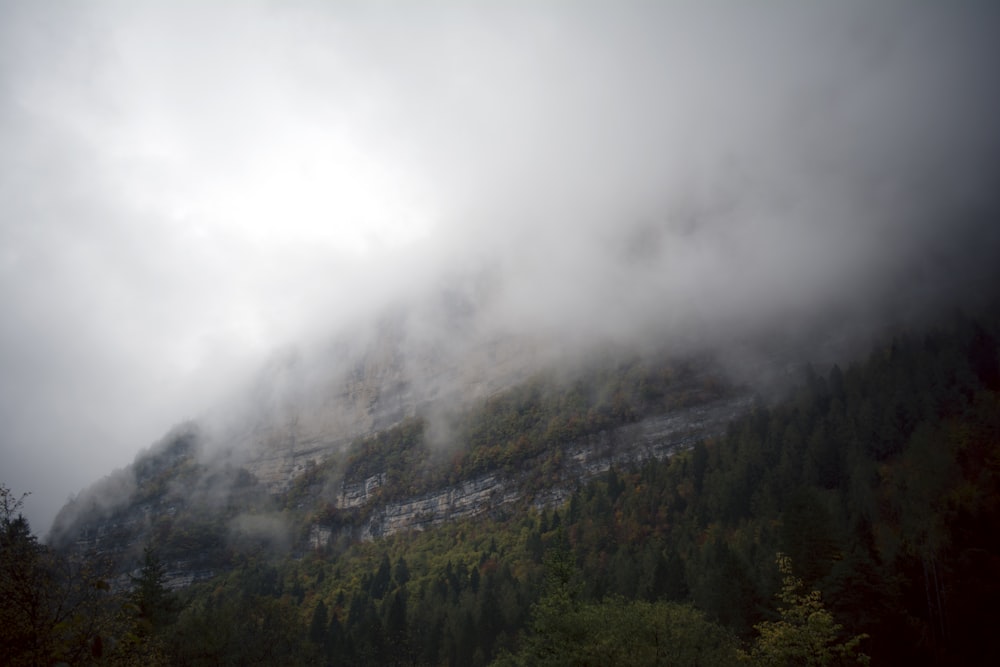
(51, 610)
(806, 633)
(150, 611)
(618, 631)
(394, 626)
(628, 632)
(382, 579)
(156, 606)
(25, 626)
(318, 625)
(401, 572)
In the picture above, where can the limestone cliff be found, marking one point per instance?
(250, 483)
(656, 437)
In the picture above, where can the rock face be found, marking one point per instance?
(657, 437)
(309, 404)
(470, 498)
(204, 494)
(164, 490)
(201, 513)
(360, 493)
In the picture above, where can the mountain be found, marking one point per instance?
(392, 434)
(427, 413)
(631, 497)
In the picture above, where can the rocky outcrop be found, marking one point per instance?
(192, 510)
(360, 493)
(653, 438)
(304, 412)
(470, 498)
(308, 405)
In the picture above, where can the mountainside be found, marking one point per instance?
(313, 400)
(578, 513)
(490, 334)
(411, 421)
(383, 456)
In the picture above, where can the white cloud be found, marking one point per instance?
(185, 187)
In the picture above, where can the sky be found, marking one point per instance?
(187, 187)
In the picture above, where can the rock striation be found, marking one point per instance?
(492, 493)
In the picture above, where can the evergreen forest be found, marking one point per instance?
(853, 522)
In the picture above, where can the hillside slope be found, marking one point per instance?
(529, 445)
(876, 481)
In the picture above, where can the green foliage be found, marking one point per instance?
(156, 607)
(616, 631)
(25, 585)
(806, 633)
(229, 628)
(51, 610)
(532, 420)
(397, 452)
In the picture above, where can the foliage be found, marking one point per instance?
(51, 609)
(155, 606)
(615, 631)
(806, 633)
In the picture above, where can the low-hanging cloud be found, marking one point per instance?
(185, 188)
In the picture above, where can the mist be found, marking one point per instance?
(190, 194)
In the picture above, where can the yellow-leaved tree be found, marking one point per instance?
(806, 633)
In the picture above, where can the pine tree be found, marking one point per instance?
(156, 606)
(318, 625)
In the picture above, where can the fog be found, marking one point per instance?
(189, 189)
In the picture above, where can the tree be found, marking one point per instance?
(401, 572)
(155, 605)
(51, 610)
(395, 626)
(382, 579)
(806, 633)
(628, 632)
(617, 631)
(25, 628)
(149, 611)
(318, 625)
(553, 633)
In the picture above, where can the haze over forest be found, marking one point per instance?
(188, 190)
